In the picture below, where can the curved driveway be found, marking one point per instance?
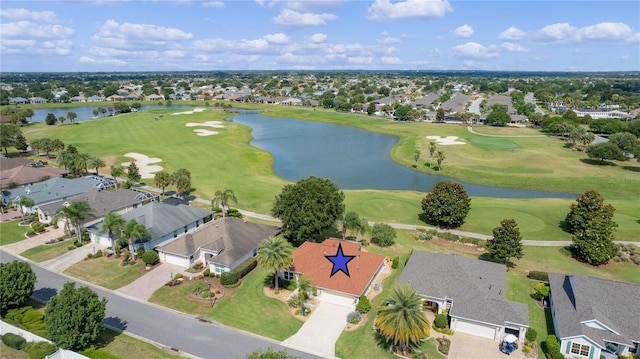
(169, 328)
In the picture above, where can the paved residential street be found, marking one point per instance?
(161, 325)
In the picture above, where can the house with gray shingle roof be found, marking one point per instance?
(222, 245)
(470, 290)
(594, 317)
(164, 221)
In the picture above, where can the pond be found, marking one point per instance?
(350, 157)
(85, 112)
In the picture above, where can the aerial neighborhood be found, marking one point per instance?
(502, 217)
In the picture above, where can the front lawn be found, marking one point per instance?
(177, 297)
(44, 252)
(124, 346)
(106, 272)
(11, 232)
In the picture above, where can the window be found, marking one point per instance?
(289, 275)
(219, 268)
(577, 348)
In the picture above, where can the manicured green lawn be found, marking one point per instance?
(177, 298)
(10, 353)
(124, 346)
(45, 252)
(105, 272)
(430, 347)
(11, 232)
(251, 310)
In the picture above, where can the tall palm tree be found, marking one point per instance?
(112, 224)
(223, 198)
(416, 156)
(96, 162)
(116, 171)
(23, 202)
(352, 222)
(275, 254)
(432, 150)
(402, 320)
(74, 214)
(163, 180)
(440, 158)
(133, 231)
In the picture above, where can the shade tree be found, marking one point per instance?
(447, 205)
(506, 242)
(17, 282)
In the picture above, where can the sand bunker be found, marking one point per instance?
(446, 141)
(203, 132)
(199, 109)
(144, 163)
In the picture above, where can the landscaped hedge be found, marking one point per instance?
(246, 267)
(537, 275)
(229, 278)
(13, 341)
(364, 306)
(39, 350)
(440, 321)
(553, 347)
(150, 257)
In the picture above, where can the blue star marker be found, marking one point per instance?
(339, 262)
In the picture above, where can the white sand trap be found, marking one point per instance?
(214, 124)
(199, 109)
(446, 141)
(201, 132)
(144, 163)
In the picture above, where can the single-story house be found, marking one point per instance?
(594, 317)
(120, 200)
(309, 261)
(222, 245)
(164, 221)
(22, 171)
(470, 290)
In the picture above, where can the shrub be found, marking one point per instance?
(542, 291)
(440, 321)
(77, 244)
(198, 265)
(293, 302)
(30, 231)
(246, 267)
(395, 262)
(205, 294)
(531, 335)
(99, 253)
(364, 306)
(229, 278)
(207, 272)
(527, 349)
(89, 256)
(354, 317)
(552, 344)
(150, 257)
(292, 286)
(178, 276)
(140, 252)
(233, 212)
(383, 235)
(39, 350)
(536, 275)
(13, 341)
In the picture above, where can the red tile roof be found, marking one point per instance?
(309, 260)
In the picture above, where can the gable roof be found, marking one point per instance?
(161, 219)
(231, 237)
(103, 202)
(25, 173)
(577, 299)
(309, 260)
(53, 189)
(476, 287)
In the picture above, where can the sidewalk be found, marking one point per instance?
(143, 287)
(70, 258)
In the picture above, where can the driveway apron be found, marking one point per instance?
(465, 346)
(59, 264)
(143, 287)
(318, 335)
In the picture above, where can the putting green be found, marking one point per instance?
(492, 143)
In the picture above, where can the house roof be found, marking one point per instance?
(20, 171)
(53, 189)
(457, 103)
(231, 237)
(578, 298)
(309, 260)
(161, 219)
(103, 202)
(476, 287)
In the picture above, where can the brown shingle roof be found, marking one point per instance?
(309, 260)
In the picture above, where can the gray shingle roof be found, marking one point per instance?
(232, 237)
(102, 202)
(578, 298)
(53, 189)
(476, 287)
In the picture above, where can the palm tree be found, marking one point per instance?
(116, 171)
(402, 320)
(23, 202)
(432, 149)
(162, 179)
(223, 197)
(440, 158)
(304, 287)
(416, 156)
(96, 162)
(352, 222)
(71, 116)
(74, 214)
(112, 224)
(133, 231)
(81, 163)
(275, 254)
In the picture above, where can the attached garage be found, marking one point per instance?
(477, 329)
(174, 259)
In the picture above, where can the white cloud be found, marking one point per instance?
(144, 32)
(611, 32)
(511, 47)
(317, 38)
(278, 38)
(435, 51)
(308, 5)
(242, 46)
(27, 29)
(557, 32)
(259, 2)
(473, 50)
(465, 31)
(213, 4)
(24, 14)
(360, 60)
(90, 60)
(512, 33)
(292, 18)
(391, 60)
(388, 40)
(607, 31)
(385, 10)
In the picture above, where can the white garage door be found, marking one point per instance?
(475, 329)
(171, 259)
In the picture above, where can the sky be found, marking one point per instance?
(191, 35)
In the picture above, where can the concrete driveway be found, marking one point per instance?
(143, 287)
(464, 346)
(318, 335)
(59, 264)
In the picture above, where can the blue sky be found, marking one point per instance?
(105, 35)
